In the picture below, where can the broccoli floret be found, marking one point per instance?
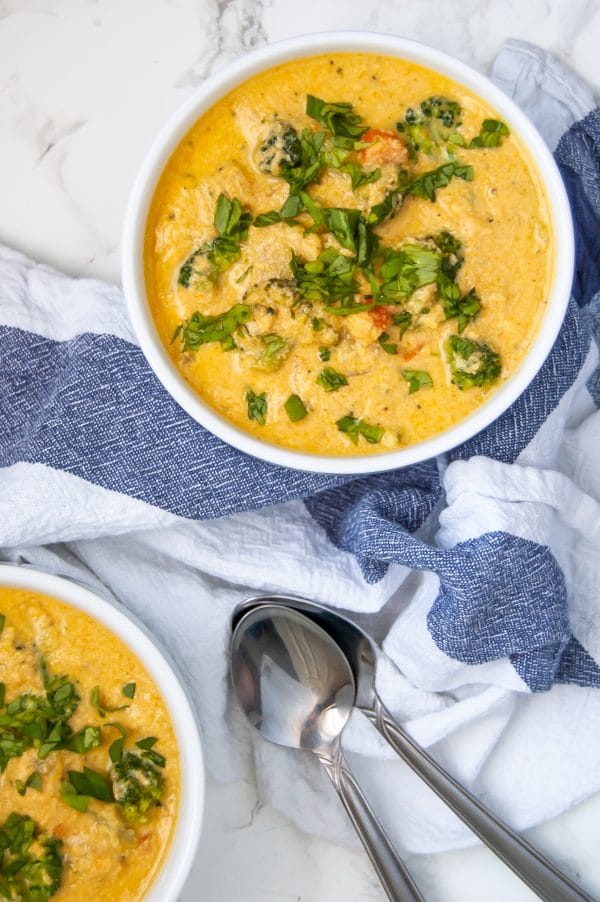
(433, 127)
(472, 364)
(282, 149)
(138, 785)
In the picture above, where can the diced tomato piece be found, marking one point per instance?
(409, 353)
(380, 316)
(384, 147)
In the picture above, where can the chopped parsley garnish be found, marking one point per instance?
(41, 722)
(200, 329)
(102, 709)
(214, 257)
(81, 786)
(491, 134)
(464, 307)
(31, 865)
(2, 622)
(325, 354)
(307, 169)
(295, 408)
(34, 781)
(472, 363)
(428, 183)
(275, 351)
(330, 379)
(353, 428)
(402, 320)
(330, 277)
(86, 739)
(388, 346)
(405, 270)
(417, 379)
(257, 407)
(338, 118)
(128, 690)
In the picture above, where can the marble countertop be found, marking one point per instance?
(84, 87)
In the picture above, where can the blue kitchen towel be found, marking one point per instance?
(79, 398)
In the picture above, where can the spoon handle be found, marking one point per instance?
(543, 877)
(391, 870)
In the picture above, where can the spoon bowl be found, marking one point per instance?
(294, 684)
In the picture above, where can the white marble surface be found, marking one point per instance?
(84, 86)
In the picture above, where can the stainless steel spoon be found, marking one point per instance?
(297, 689)
(543, 877)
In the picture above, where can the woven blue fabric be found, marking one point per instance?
(92, 407)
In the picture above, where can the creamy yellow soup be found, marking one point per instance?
(310, 371)
(104, 855)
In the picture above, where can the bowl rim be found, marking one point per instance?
(169, 880)
(217, 86)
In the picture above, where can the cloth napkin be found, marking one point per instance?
(477, 572)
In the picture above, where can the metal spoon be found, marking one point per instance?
(297, 689)
(543, 877)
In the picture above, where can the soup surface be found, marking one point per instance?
(347, 254)
(89, 768)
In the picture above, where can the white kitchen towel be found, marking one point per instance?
(529, 754)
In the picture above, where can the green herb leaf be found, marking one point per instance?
(331, 380)
(388, 346)
(85, 740)
(402, 320)
(257, 406)
(128, 690)
(491, 134)
(155, 758)
(147, 743)
(405, 270)
(70, 795)
(2, 622)
(200, 329)
(91, 783)
(295, 409)
(229, 220)
(206, 263)
(330, 277)
(28, 876)
(307, 170)
(464, 307)
(20, 786)
(102, 709)
(417, 379)
(353, 428)
(34, 780)
(472, 363)
(427, 184)
(325, 354)
(115, 750)
(338, 118)
(2, 694)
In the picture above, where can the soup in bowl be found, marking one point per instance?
(348, 260)
(98, 745)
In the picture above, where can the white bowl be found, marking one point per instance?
(180, 855)
(212, 90)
